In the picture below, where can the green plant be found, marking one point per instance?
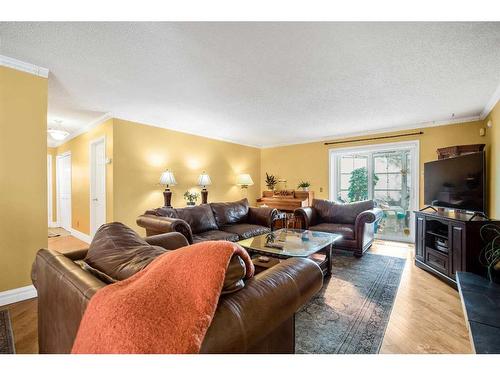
(271, 181)
(303, 185)
(490, 254)
(358, 185)
(191, 197)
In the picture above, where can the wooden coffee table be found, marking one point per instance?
(295, 243)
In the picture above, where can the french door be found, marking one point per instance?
(386, 173)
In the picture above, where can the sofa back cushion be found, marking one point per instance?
(119, 252)
(230, 212)
(346, 213)
(200, 218)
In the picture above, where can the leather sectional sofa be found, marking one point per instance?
(253, 316)
(230, 221)
(354, 221)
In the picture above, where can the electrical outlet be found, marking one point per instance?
(320, 189)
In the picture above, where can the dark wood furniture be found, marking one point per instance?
(286, 200)
(452, 151)
(481, 304)
(447, 242)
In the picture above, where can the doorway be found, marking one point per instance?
(63, 182)
(386, 173)
(97, 184)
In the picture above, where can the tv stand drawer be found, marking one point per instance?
(437, 260)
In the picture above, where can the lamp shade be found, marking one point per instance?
(204, 180)
(244, 180)
(167, 178)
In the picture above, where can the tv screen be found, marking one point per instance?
(457, 183)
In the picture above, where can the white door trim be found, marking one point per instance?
(91, 182)
(49, 191)
(58, 205)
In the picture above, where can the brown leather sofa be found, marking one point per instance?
(354, 221)
(257, 317)
(229, 221)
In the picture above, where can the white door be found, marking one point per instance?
(97, 184)
(49, 190)
(63, 171)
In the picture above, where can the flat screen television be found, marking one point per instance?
(458, 183)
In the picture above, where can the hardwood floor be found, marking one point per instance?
(426, 318)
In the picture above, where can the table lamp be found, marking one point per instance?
(204, 181)
(244, 180)
(167, 179)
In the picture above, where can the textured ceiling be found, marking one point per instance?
(262, 83)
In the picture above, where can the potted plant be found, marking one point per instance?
(304, 185)
(271, 181)
(191, 198)
(490, 254)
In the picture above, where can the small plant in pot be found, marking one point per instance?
(490, 254)
(271, 181)
(191, 198)
(304, 185)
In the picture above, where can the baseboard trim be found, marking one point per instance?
(81, 236)
(16, 295)
(53, 224)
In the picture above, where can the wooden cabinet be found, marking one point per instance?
(447, 243)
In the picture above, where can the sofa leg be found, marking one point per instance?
(357, 254)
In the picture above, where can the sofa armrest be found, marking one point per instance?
(269, 299)
(262, 216)
(64, 290)
(161, 224)
(368, 217)
(169, 241)
(307, 216)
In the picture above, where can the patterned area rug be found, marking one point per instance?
(350, 314)
(6, 335)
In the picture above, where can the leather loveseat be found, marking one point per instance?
(253, 316)
(354, 221)
(229, 221)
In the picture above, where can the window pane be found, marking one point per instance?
(346, 164)
(344, 181)
(360, 162)
(394, 181)
(380, 164)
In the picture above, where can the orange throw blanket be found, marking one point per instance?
(165, 308)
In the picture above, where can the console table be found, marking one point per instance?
(481, 305)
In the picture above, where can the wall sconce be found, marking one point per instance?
(167, 179)
(244, 180)
(203, 181)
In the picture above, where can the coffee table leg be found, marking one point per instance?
(329, 260)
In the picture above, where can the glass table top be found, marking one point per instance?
(291, 242)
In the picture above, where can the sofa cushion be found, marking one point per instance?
(346, 230)
(230, 212)
(200, 218)
(215, 235)
(246, 230)
(331, 212)
(119, 252)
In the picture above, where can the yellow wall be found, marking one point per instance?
(80, 175)
(143, 152)
(494, 161)
(309, 161)
(23, 174)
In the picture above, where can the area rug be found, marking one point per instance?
(350, 313)
(6, 335)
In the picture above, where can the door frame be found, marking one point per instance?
(50, 217)
(92, 182)
(390, 146)
(58, 189)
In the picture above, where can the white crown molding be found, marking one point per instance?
(16, 295)
(491, 103)
(36, 70)
(81, 236)
(421, 125)
(91, 125)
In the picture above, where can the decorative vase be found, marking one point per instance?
(305, 189)
(191, 203)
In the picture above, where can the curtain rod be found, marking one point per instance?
(373, 138)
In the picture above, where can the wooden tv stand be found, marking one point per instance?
(447, 242)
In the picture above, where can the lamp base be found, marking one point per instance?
(204, 196)
(167, 196)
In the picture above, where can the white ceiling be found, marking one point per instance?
(262, 84)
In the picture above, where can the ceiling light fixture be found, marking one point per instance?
(58, 133)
